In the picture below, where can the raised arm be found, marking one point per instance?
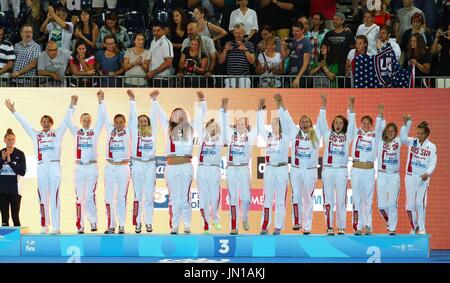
(59, 132)
(68, 118)
(153, 114)
(287, 124)
(351, 119)
(28, 128)
(109, 126)
(261, 118)
(407, 122)
(322, 120)
(160, 112)
(133, 112)
(380, 123)
(100, 117)
(200, 115)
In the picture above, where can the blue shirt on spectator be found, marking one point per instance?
(109, 65)
(297, 51)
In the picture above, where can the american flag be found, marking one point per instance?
(382, 71)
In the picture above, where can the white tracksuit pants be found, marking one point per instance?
(208, 183)
(86, 177)
(303, 183)
(335, 180)
(238, 180)
(416, 200)
(275, 185)
(117, 179)
(143, 175)
(363, 181)
(388, 188)
(179, 179)
(49, 180)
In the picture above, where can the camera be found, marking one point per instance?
(190, 65)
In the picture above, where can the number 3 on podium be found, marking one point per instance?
(224, 246)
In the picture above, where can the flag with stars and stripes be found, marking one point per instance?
(381, 71)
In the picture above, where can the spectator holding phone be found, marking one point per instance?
(193, 63)
(441, 46)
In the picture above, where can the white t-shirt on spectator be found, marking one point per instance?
(372, 35)
(160, 49)
(61, 36)
(273, 63)
(250, 20)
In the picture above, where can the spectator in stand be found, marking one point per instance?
(178, 33)
(370, 30)
(161, 57)
(27, 52)
(86, 30)
(276, 14)
(269, 63)
(34, 15)
(340, 41)
(441, 47)
(112, 27)
(429, 8)
(419, 57)
(305, 21)
(317, 34)
(82, 64)
(246, 16)
(385, 37)
(361, 48)
(207, 46)
(298, 50)
(57, 28)
(328, 8)
(4, 6)
(7, 58)
(417, 26)
(228, 7)
(266, 32)
(381, 17)
(404, 18)
(193, 63)
(238, 55)
(136, 62)
(325, 69)
(110, 62)
(53, 63)
(213, 8)
(206, 28)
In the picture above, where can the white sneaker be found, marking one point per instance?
(174, 231)
(246, 225)
(187, 230)
(93, 227)
(55, 231)
(80, 230)
(422, 232)
(44, 230)
(341, 231)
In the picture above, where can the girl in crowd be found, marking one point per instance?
(117, 170)
(136, 62)
(388, 166)
(82, 63)
(110, 63)
(360, 48)
(206, 28)
(193, 62)
(178, 32)
(269, 63)
(47, 146)
(304, 156)
(113, 28)
(422, 158)
(317, 33)
(86, 170)
(12, 167)
(335, 161)
(208, 173)
(86, 30)
(240, 140)
(179, 171)
(276, 170)
(143, 169)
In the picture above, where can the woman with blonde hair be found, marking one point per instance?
(304, 156)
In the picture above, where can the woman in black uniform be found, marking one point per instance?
(12, 165)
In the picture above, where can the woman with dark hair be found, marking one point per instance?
(388, 166)
(179, 171)
(193, 63)
(317, 34)
(136, 62)
(82, 63)
(110, 62)
(417, 26)
(12, 167)
(418, 57)
(86, 30)
(325, 66)
(422, 158)
(335, 161)
(178, 32)
(265, 33)
(360, 49)
(112, 27)
(441, 47)
(47, 146)
(206, 28)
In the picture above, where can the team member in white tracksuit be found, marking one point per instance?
(276, 174)
(179, 171)
(364, 153)
(335, 160)
(211, 141)
(117, 170)
(47, 146)
(305, 143)
(422, 158)
(143, 169)
(240, 140)
(86, 170)
(388, 166)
